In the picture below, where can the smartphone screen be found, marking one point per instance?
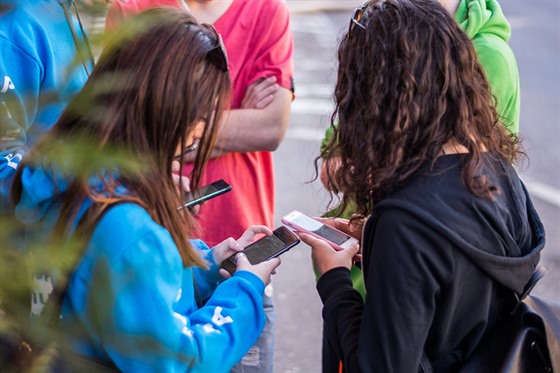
(281, 240)
(207, 192)
(319, 228)
(306, 224)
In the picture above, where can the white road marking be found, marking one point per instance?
(306, 134)
(312, 106)
(543, 192)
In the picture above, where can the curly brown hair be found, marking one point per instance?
(408, 83)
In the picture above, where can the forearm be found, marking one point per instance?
(249, 130)
(342, 313)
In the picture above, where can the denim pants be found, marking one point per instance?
(260, 357)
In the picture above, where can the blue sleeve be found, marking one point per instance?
(147, 320)
(21, 77)
(206, 280)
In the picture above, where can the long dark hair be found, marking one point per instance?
(151, 86)
(408, 82)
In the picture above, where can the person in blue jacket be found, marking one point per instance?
(156, 93)
(45, 59)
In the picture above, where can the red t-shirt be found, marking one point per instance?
(259, 44)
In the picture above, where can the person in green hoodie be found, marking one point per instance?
(486, 25)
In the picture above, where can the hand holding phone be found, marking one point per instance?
(306, 224)
(325, 257)
(263, 270)
(281, 240)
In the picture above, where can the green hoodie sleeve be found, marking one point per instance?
(485, 24)
(329, 133)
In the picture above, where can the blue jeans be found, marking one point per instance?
(260, 357)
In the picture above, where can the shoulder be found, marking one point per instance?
(30, 28)
(128, 219)
(120, 10)
(398, 218)
(129, 226)
(492, 50)
(429, 202)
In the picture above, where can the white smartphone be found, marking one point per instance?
(306, 224)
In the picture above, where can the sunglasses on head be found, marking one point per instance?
(218, 54)
(355, 21)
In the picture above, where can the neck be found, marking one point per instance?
(453, 147)
(450, 5)
(208, 11)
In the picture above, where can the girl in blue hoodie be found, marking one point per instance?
(155, 94)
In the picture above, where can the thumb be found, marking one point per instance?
(175, 166)
(242, 261)
(271, 264)
(352, 250)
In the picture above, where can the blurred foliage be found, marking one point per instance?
(28, 251)
(92, 15)
(24, 252)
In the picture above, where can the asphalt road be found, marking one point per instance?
(536, 42)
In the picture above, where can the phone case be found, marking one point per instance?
(328, 234)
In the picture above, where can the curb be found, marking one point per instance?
(312, 6)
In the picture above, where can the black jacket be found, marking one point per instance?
(438, 264)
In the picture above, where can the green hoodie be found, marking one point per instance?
(485, 24)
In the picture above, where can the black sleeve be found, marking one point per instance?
(404, 276)
(342, 313)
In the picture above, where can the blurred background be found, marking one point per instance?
(317, 26)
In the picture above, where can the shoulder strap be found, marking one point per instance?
(51, 311)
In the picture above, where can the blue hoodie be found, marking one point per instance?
(131, 301)
(40, 70)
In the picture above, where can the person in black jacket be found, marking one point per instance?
(451, 230)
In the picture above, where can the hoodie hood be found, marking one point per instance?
(513, 272)
(503, 237)
(482, 17)
(41, 190)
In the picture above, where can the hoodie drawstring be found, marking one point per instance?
(88, 55)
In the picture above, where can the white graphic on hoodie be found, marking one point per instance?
(8, 84)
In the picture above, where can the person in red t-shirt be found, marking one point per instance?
(259, 42)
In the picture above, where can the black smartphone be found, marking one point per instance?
(206, 192)
(268, 247)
